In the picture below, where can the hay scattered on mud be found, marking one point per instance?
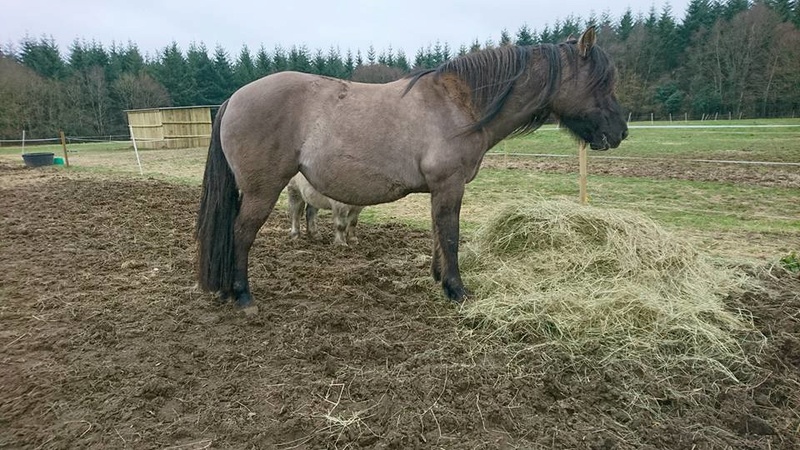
(610, 284)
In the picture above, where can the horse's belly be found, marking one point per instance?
(362, 186)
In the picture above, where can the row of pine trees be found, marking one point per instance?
(734, 58)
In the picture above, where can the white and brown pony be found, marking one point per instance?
(305, 200)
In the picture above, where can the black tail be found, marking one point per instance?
(219, 206)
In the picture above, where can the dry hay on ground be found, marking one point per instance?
(608, 286)
(106, 345)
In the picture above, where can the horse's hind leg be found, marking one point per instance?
(254, 211)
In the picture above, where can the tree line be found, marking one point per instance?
(735, 58)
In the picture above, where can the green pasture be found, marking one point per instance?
(754, 140)
(736, 219)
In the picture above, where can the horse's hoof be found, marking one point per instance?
(243, 300)
(250, 311)
(223, 297)
(456, 294)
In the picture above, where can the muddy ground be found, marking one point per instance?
(106, 344)
(777, 175)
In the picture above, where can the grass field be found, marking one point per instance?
(763, 140)
(734, 219)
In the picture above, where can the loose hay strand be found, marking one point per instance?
(606, 283)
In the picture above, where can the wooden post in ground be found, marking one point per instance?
(64, 146)
(136, 150)
(583, 163)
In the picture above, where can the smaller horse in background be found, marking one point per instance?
(303, 196)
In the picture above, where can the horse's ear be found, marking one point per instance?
(586, 41)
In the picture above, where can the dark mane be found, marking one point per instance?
(492, 74)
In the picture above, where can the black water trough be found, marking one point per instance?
(38, 159)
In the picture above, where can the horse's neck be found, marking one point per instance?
(527, 106)
(500, 129)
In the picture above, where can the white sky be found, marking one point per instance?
(347, 24)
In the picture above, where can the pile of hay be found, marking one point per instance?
(604, 282)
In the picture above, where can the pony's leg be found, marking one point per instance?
(446, 209)
(311, 222)
(352, 222)
(339, 224)
(296, 207)
(254, 211)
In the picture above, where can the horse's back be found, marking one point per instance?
(360, 144)
(294, 108)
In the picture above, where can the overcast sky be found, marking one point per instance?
(346, 24)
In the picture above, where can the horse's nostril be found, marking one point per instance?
(624, 134)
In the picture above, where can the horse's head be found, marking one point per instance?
(586, 103)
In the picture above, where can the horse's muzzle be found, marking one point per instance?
(601, 145)
(604, 143)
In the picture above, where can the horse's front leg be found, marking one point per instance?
(436, 260)
(446, 209)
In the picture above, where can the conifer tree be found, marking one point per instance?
(318, 63)
(280, 60)
(263, 65)
(401, 62)
(43, 57)
(625, 25)
(783, 8)
(349, 64)
(334, 66)
(299, 59)
(244, 71)
(359, 59)
(225, 84)
(700, 16)
(476, 46)
(172, 72)
(505, 38)
(795, 18)
(201, 79)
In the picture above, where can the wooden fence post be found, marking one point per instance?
(64, 147)
(582, 163)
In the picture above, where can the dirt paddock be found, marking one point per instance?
(106, 344)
